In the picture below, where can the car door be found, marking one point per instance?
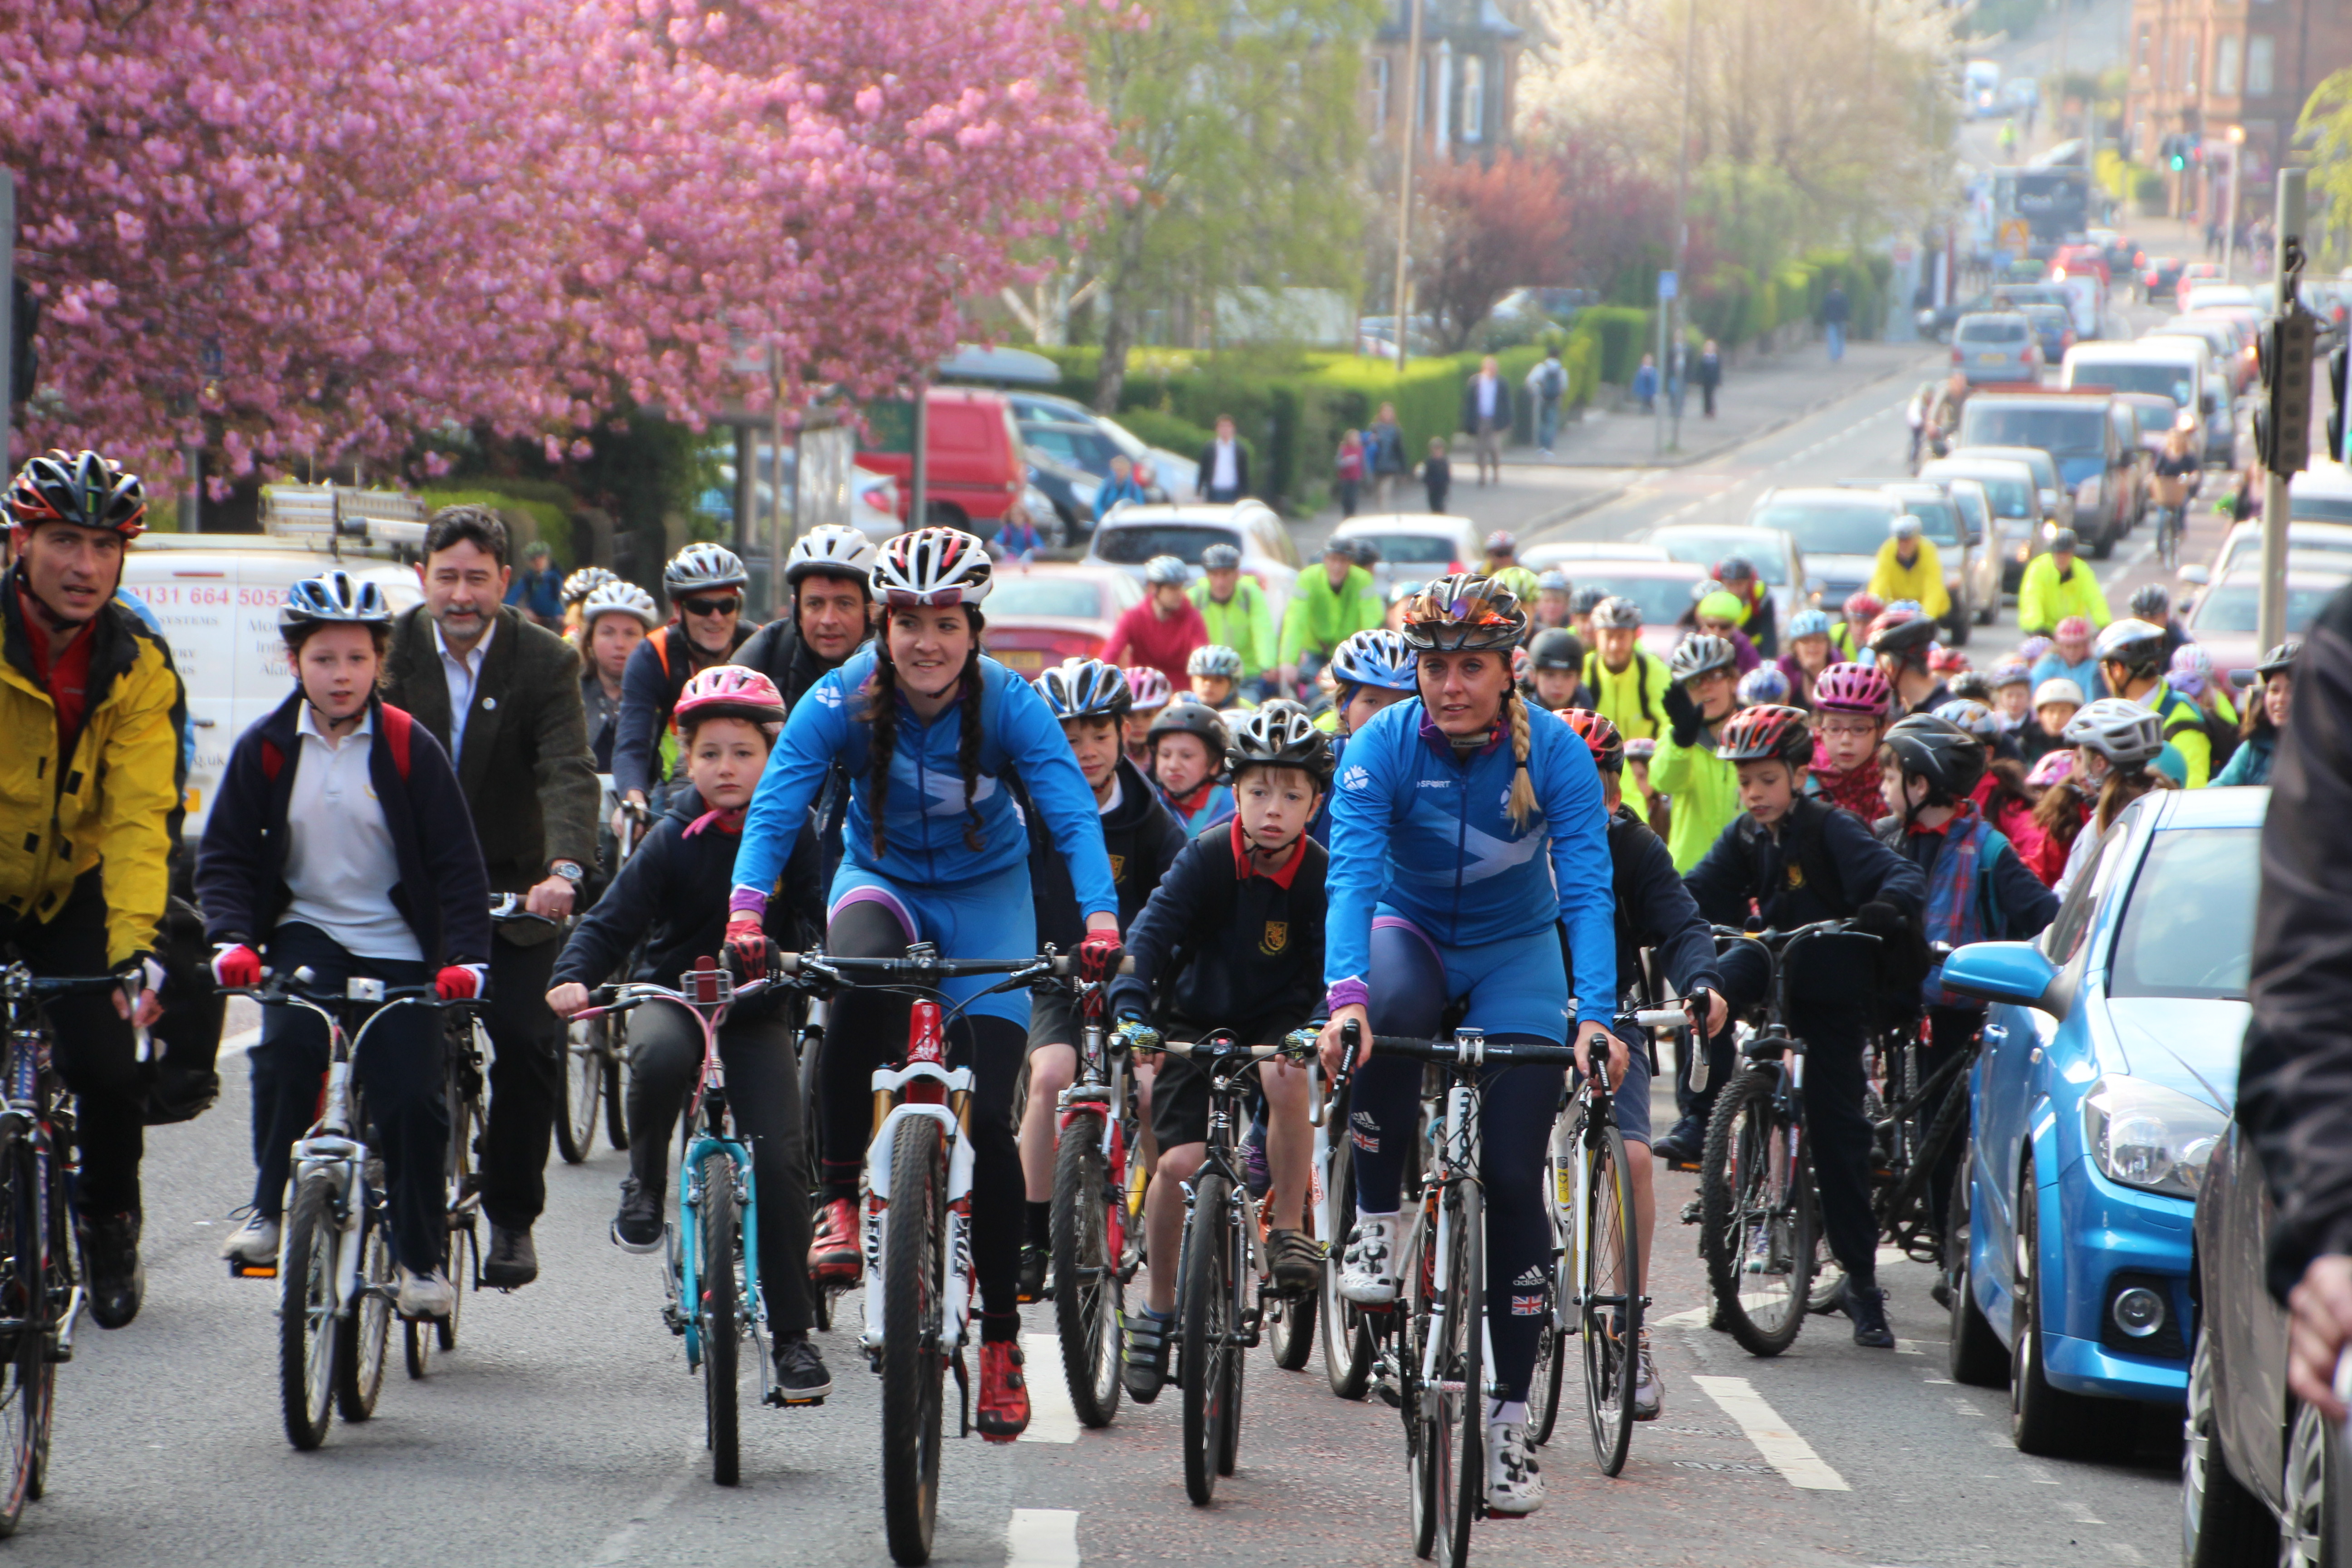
(2247, 1329)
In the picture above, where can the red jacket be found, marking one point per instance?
(1142, 638)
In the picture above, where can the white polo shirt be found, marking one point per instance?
(340, 862)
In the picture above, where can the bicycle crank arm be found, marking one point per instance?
(61, 1348)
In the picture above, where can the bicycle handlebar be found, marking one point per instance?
(19, 981)
(1780, 942)
(506, 909)
(1060, 966)
(288, 990)
(626, 996)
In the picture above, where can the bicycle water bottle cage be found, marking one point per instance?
(706, 984)
(1767, 1047)
(359, 988)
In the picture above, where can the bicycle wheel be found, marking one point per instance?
(1551, 1348)
(1204, 1330)
(1612, 1292)
(26, 1375)
(1418, 1278)
(581, 1063)
(1240, 1280)
(307, 1330)
(465, 1124)
(616, 1113)
(1454, 1406)
(717, 1256)
(1086, 1292)
(1347, 1348)
(913, 1297)
(1755, 1222)
(365, 1332)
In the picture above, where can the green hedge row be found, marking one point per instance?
(1738, 305)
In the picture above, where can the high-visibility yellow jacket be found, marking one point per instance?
(1922, 580)
(1634, 697)
(1705, 790)
(2044, 598)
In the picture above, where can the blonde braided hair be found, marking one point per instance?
(1522, 804)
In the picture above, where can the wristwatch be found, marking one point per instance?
(569, 870)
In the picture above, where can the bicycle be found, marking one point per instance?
(334, 1266)
(593, 1052)
(1758, 1209)
(712, 1265)
(1352, 1337)
(41, 1293)
(1094, 1251)
(1218, 1315)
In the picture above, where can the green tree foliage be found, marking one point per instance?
(2327, 121)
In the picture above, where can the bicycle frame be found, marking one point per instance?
(46, 1121)
(928, 1086)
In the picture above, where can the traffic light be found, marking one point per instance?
(24, 358)
(2176, 153)
(2283, 419)
(2339, 370)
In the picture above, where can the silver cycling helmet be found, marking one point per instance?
(700, 568)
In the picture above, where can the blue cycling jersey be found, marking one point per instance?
(924, 843)
(1416, 829)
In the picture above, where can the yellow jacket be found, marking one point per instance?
(108, 805)
(2044, 598)
(1922, 580)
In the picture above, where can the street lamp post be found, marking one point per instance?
(1404, 176)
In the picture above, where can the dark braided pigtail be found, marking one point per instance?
(968, 743)
(882, 714)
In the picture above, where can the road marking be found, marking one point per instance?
(1694, 1319)
(1781, 1447)
(2081, 1511)
(2115, 573)
(1916, 1347)
(615, 1546)
(1052, 1417)
(1964, 1406)
(2126, 1551)
(1042, 1537)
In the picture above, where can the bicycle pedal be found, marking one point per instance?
(1691, 1212)
(238, 1270)
(775, 1399)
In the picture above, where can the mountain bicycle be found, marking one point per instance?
(1094, 1251)
(41, 1293)
(334, 1267)
(712, 1262)
(1759, 1213)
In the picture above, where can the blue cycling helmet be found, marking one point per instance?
(1376, 657)
(1765, 686)
(1972, 716)
(334, 598)
(1081, 688)
(1808, 623)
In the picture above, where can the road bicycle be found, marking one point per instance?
(1352, 1335)
(712, 1264)
(1759, 1213)
(1094, 1249)
(1224, 1285)
(41, 1293)
(334, 1268)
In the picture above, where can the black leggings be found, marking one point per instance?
(868, 1030)
(763, 1095)
(1516, 1110)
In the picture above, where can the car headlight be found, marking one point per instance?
(2145, 1136)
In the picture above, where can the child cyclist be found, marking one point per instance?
(339, 842)
(1851, 702)
(668, 897)
(1140, 832)
(1706, 790)
(1188, 761)
(1215, 674)
(933, 851)
(1369, 671)
(1791, 860)
(1463, 831)
(1232, 940)
(1151, 693)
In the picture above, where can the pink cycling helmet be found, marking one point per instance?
(2055, 767)
(1852, 689)
(1150, 686)
(730, 691)
(2075, 629)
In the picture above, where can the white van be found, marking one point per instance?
(218, 596)
(2169, 367)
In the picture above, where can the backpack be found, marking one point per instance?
(397, 727)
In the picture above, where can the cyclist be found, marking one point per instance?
(2001, 796)
(1908, 568)
(576, 589)
(831, 612)
(669, 898)
(2117, 743)
(2011, 687)
(1764, 686)
(931, 729)
(704, 584)
(1503, 566)
(1809, 655)
(1152, 693)
(339, 842)
(1903, 641)
(1655, 911)
(1555, 670)
(1758, 616)
(1581, 605)
(1188, 743)
(1215, 672)
(1706, 790)
(1143, 837)
(612, 620)
(1369, 671)
(1628, 682)
(1233, 939)
(1851, 634)
(2057, 587)
(1163, 631)
(2131, 663)
(2177, 472)
(1326, 606)
(1717, 612)
(1792, 860)
(1555, 602)
(94, 714)
(502, 696)
(1851, 702)
(1235, 610)
(2191, 675)
(1463, 834)
(2269, 698)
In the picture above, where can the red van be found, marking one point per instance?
(976, 470)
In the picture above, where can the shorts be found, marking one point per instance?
(1179, 1094)
(1516, 986)
(992, 917)
(1630, 1106)
(1053, 1018)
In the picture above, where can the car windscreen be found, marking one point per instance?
(1072, 598)
(1138, 543)
(2315, 508)
(2135, 376)
(2057, 429)
(1706, 549)
(1826, 528)
(1413, 548)
(2151, 418)
(1994, 330)
(1938, 519)
(2009, 497)
(2188, 929)
(2236, 607)
(1663, 599)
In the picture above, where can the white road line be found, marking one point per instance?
(2115, 573)
(1696, 1318)
(615, 1546)
(2126, 1552)
(2081, 1511)
(1781, 1447)
(1052, 1417)
(1042, 1537)
(1915, 1347)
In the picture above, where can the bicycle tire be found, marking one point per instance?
(914, 1300)
(1347, 1348)
(1086, 1292)
(1417, 1279)
(1458, 1415)
(1610, 1304)
(580, 1066)
(616, 1111)
(465, 1116)
(718, 1318)
(28, 1374)
(1202, 1295)
(366, 1329)
(1291, 1330)
(1240, 1280)
(1551, 1347)
(307, 1331)
(1752, 1182)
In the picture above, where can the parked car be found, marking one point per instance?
(2080, 435)
(1838, 531)
(1779, 563)
(1971, 570)
(1415, 546)
(1134, 534)
(2106, 1082)
(2321, 493)
(2057, 500)
(1070, 491)
(1042, 613)
(2160, 276)
(2218, 334)
(1570, 554)
(1996, 346)
(977, 469)
(1173, 471)
(2224, 617)
(2310, 546)
(2010, 495)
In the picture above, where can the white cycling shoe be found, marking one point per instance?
(425, 1295)
(1648, 1388)
(1368, 1270)
(1514, 1479)
(255, 1242)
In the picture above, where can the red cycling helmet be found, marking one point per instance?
(1852, 689)
(1766, 734)
(730, 691)
(1864, 607)
(1608, 746)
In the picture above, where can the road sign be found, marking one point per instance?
(2014, 234)
(1669, 285)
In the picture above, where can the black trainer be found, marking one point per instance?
(801, 1378)
(1681, 1149)
(1147, 1353)
(513, 1262)
(638, 1227)
(109, 1251)
(1866, 1305)
(1035, 1260)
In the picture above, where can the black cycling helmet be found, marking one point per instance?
(79, 487)
(1906, 635)
(1368, 551)
(2135, 644)
(1556, 650)
(1951, 760)
(1265, 740)
(2280, 659)
(2149, 602)
(1586, 600)
(1188, 715)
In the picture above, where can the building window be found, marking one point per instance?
(2141, 58)
(1379, 93)
(2260, 66)
(2188, 64)
(1474, 99)
(1444, 109)
(2225, 65)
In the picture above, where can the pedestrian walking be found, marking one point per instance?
(1834, 311)
(1437, 473)
(1486, 414)
(1349, 469)
(1546, 384)
(1224, 465)
(1645, 385)
(1710, 375)
(1384, 453)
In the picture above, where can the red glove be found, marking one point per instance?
(461, 982)
(1098, 956)
(237, 966)
(748, 944)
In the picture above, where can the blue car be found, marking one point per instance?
(2108, 1073)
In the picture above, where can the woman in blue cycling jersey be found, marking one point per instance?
(1463, 835)
(927, 728)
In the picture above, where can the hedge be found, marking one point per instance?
(1735, 305)
(554, 519)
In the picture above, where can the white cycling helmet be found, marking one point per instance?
(618, 597)
(2120, 729)
(833, 550)
(1214, 661)
(699, 568)
(933, 566)
(585, 582)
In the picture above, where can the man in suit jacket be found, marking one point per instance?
(1486, 414)
(502, 696)
(1224, 465)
